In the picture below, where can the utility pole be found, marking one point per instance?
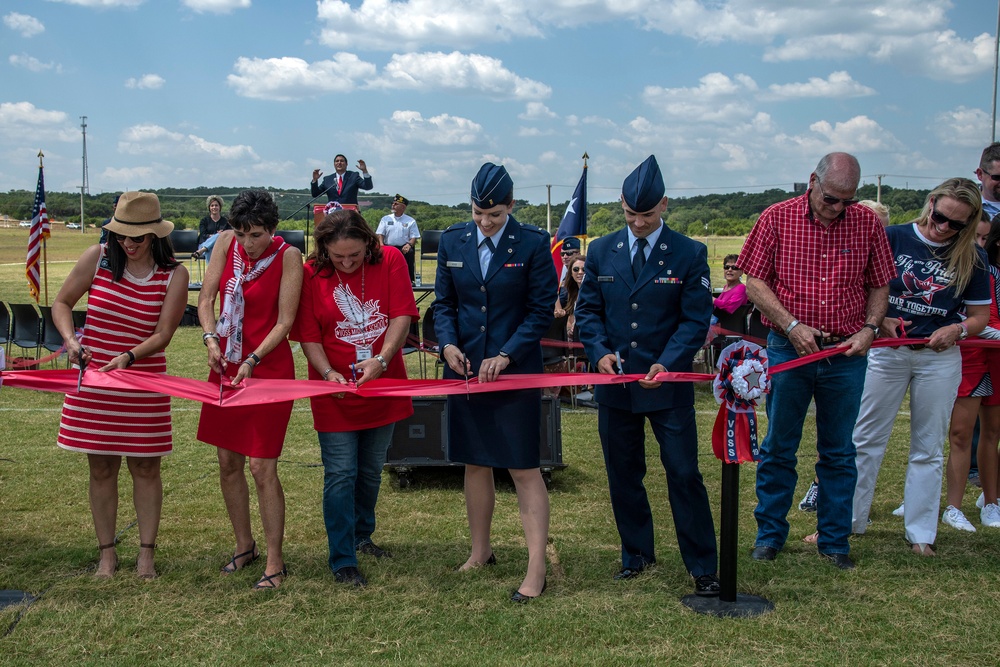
(996, 61)
(85, 188)
(878, 194)
(548, 210)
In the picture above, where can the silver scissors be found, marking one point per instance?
(83, 366)
(465, 367)
(618, 360)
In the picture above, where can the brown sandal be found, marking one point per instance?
(147, 575)
(102, 547)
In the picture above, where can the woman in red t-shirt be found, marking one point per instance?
(356, 308)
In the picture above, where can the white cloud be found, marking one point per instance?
(216, 6)
(102, 4)
(27, 25)
(146, 82)
(536, 111)
(412, 24)
(962, 127)
(410, 127)
(837, 85)
(528, 132)
(292, 79)
(855, 135)
(737, 158)
(151, 139)
(717, 98)
(32, 64)
(23, 120)
(459, 72)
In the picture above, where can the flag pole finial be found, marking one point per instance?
(585, 158)
(40, 156)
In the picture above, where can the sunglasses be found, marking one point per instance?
(565, 253)
(731, 267)
(955, 225)
(833, 201)
(135, 239)
(577, 269)
(995, 177)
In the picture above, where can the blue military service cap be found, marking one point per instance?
(491, 185)
(571, 243)
(643, 188)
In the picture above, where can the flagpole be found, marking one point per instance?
(45, 249)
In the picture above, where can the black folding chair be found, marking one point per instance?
(26, 327)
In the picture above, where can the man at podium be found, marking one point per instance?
(342, 186)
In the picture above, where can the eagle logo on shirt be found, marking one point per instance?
(921, 289)
(363, 322)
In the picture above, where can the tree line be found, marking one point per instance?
(731, 214)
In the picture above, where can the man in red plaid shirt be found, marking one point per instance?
(818, 268)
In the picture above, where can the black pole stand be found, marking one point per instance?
(10, 597)
(729, 604)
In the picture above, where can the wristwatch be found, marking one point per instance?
(874, 328)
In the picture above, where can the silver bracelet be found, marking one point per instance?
(382, 361)
(327, 372)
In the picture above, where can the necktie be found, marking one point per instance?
(486, 255)
(639, 260)
(340, 183)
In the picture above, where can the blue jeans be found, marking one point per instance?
(836, 384)
(352, 475)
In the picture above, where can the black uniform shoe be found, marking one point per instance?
(351, 576)
(843, 561)
(707, 586)
(371, 549)
(764, 553)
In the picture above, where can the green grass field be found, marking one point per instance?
(894, 609)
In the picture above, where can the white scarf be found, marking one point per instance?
(230, 324)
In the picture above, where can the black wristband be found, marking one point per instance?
(131, 358)
(256, 359)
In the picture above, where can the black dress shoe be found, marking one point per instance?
(707, 586)
(764, 553)
(628, 573)
(492, 560)
(842, 561)
(371, 549)
(351, 576)
(520, 598)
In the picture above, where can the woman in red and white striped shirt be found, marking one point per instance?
(137, 293)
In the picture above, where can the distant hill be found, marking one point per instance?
(731, 214)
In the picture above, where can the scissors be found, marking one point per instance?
(354, 374)
(222, 378)
(618, 360)
(83, 366)
(465, 366)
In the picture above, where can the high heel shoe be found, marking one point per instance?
(520, 598)
(492, 560)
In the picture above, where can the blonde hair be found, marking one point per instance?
(962, 254)
(880, 209)
(216, 198)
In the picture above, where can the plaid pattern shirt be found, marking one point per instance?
(821, 275)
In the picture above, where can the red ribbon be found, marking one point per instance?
(258, 391)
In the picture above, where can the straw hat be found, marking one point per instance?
(138, 213)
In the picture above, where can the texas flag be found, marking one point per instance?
(574, 220)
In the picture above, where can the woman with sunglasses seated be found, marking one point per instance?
(734, 292)
(136, 297)
(940, 272)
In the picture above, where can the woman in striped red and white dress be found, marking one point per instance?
(137, 296)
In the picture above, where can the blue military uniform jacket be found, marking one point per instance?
(663, 317)
(348, 193)
(509, 310)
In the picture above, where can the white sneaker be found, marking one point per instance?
(954, 518)
(898, 511)
(990, 516)
(981, 501)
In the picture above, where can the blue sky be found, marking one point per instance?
(729, 94)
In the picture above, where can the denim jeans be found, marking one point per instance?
(836, 384)
(352, 475)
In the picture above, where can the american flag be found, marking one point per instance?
(38, 233)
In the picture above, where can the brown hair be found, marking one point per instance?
(343, 224)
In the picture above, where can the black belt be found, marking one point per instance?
(918, 346)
